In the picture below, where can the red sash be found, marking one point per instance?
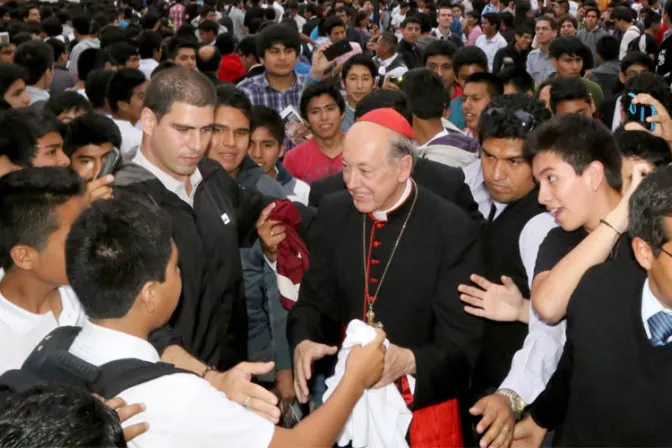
(438, 425)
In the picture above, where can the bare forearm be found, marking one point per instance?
(524, 316)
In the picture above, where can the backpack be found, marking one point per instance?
(52, 363)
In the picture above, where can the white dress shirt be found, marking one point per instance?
(473, 177)
(491, 46)
(131, 137)
(383, 64)
(171, 184)
(650, 306)
(21, 330)
(36, 94)
(147, 66)
(183, 410)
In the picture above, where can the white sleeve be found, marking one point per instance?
(533, 234)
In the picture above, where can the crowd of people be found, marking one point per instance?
(202, 204)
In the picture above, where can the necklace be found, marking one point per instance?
(368, 300)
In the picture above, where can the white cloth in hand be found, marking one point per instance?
(380, 418)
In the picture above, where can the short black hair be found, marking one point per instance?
(277, 34)
(52, 27)
(594, 9)
(319, 89)
(439, 48)
(644, 146)
(470, 56)
(40, 121)
(499, 120)
(652, 18)
(248, 46)
(608, 48)
(86, 63)
(121, 86)
(187, 31)
(82, 24)
(226, 43)
(578, 140)
(149, 21)
(621, 13)
(382, 98)
(29, 199)
(649, 83)
(265, 117)
(229, 95)
(567, 89)
(650, 204)
(18, 141)
(111, 35)
(566, 45)
(179, 85)
(209, 26)
(390, 39)
(426, 94)
(411, 19)
(56, 415)
(163, 65)
(636, 58)
(519, 78)
(523, 29)
(36, 57)
(121, 52)
(570, 18)
(9, 74)
(331, 23)
(90, 129)
(96, 86)
(177, 43)
(113, 249)
(149, 42)
(359, 59)
(554, 25)
(67, 100)
(495, 86)
(492, 18)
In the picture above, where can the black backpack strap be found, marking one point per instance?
(117, 376)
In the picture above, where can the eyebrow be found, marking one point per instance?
(544, 171)
(487, 153)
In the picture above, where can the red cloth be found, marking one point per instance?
(293, 256)
(390, 119)
(230, 68)
(308, 163)
(438, 425)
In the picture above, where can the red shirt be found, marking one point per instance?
(308, 163)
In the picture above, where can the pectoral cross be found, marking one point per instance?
(371, 318)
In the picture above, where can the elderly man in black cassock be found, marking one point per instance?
(392, 254)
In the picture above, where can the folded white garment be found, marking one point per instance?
(380, 418)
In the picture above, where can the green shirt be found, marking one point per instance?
(595, 92)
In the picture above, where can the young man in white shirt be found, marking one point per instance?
(125, 96)
(622, 17)
(491, 41)
(125, 305)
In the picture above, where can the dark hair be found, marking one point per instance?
(204, 10)
(592, 9)
(319, 89)
(499, 120)
(359, 59)
(113, 249)
(331, 23)
(382, 98)
(90, 129)
(277, 34)
(649, 83)
(621, 13)
(644, 146)
(652, 18)
(21, 38)
(17, 139)
(578, 140)
(439, 48)
(121, 52)
(550, 20)
(149, 42)
(86, 62)
(521, 79)
(569, 45)
(111, 35)
(426, 21)
(492, 18)
(177, 43)
(57, 46)
(636, 58)
(67, 100)
(82, 24)
(265, 117)
(248, 46)
(55, 415)
(570, 18)
(668, 9)
(96, 87)
(36, 57)
(52, 26)
(226, 43)
(650, 204)
(469, 56)
(607, 48)
(121, 86)
(186, 31)
(149, 21)
(229, 95)
(208, 26)
(390, 40)
(163, 65)
(9, 74)
(494, 85)
(476, 15)
(523, 29)
(28, 202)
(40, 121)
(411, 19)
(567, 89)
(179, 85)
(426, 94)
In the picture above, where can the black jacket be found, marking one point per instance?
(411, 54)
(509, 56)
(210, 321)
(664, 59)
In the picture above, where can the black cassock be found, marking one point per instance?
(418, 302)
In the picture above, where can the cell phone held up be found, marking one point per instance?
(112, 161)
(337, 49)
(638, 113)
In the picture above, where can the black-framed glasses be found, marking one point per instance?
(525, 120)
(666, 252)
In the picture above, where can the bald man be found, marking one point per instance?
(207, 61)
(391, 253)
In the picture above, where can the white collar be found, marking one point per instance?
(168, 181)
(493, 37)
(437, 30)
(99, 345)
(388, 61)
(650, 306)
(382, 216)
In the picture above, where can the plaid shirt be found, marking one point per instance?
(176, 15)
(260, 92)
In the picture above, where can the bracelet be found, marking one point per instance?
(207, 370)
(611, 227)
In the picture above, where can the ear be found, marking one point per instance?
(24, 256)
(148, 121)
(594, 175)
(555, 63)
(404, 167)
(123, 106)
(148, 296)
(283, 148)
(643, 253)
(621, 78)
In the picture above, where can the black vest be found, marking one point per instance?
(501, 340)
(398, 61)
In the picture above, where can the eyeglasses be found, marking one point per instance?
(526, 121)
(666, 252)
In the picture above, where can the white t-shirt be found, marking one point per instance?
(21, 330)
(131, 137)
(183, 410)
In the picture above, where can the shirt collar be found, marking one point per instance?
(37, 94)
(437, 31)
(382, 216)
(388, 61)
(99, 345)
(650, 304)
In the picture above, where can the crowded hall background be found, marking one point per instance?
(389, 223)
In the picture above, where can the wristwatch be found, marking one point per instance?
(516, 401)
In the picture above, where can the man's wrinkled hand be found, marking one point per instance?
(304, 355)
(398, 362)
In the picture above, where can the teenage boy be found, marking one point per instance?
(570, 96)
(358, 78)
(592, 32)
(89, 140)
(443, 31)
(411, 54)
(539, 60)
(438, 57)
(515, 53)
(125, 97)
(479, 90)
(622, 17)
(567, 55)
(37, 58)
(181, 408)
(267, 136)
(633, 65)
(323, 107)
(490, 41)
(182, 52)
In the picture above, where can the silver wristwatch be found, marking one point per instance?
(516, 401)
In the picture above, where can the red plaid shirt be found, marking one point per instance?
(177, 15)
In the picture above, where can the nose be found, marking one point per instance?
(498, 171)
(197, 140)
(255, 152)
(62, 159)
(351, 179)
(544, 194)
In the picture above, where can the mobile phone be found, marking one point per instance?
(640, 112)
(4, 38)
(397, 80)
(111, 162)
(338, 49)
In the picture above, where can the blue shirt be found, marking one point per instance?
(456, 115)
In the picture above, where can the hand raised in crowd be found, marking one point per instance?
(662, 120)
(528, 434)
(502, 303)
(304, 355)
(237, 384)
(320, 62)
(271, 233)
(498, 420)
(99, 188)
(366, 363)
(125, 412)
(284, 383)
(618, 217)
(389, 85)
(398, 362)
